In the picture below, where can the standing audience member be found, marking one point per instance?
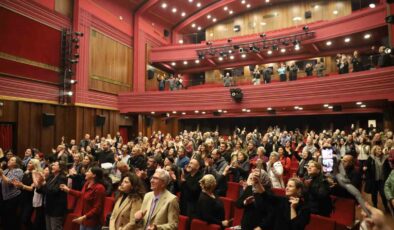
(384, 58)
(377, 171)
(267, 73)
(309, 69)
(320, 68)
(343, 65)
(190, 188)
(275, 170)
(256, 75)
(55, 200)
(10, 193)
(282, 72)
(389, 185)
(356, 62)
(293, 70)
(210, 208)
(127, 204)
(159, 209)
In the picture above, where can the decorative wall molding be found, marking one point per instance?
(25, 61)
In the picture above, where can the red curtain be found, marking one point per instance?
(6, 136)
(124, 133)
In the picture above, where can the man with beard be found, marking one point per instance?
(190, 188)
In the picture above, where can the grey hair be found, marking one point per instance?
(261, 148)
(275, 154)
(163, 175)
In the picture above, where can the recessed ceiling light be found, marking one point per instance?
(225, 111)
(328, 43)
(214, 19)
(199, 28)
(267, 1)
(185, 62)
(183, 113)
(297, 47)
(248, 6)
(196, 111)
(244, 110)
(173, 63)
(208, 16)
(219, 110)
(316, 7)
(243, 1)
(330, 107)
(248, 110)
(326, 105)
(335, 12)
(121, 17)
(300, 108)
(174, 10)
(269, 108)
(269, 52)
(231, 57)
(197, 61)
(225, 8)
(220, 59)
(190, 0)
(363, 106)
(198, 4)
(164, 5)
(211, 34)
(243, 55)
(367, 36)
(263, 23)
(372, 5)
(347, 40)
(359, 103)
(183, 14)
(296, 107)
(283, 50)
(203, 112)
(180, 41)
(174, 112)
(152, 112)
(230, 12)
(193, 25)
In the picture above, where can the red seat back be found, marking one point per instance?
(202, 225)
(228, 205)
(183, 222)
(109, 202)
(238, 214)
(279, 191)
(320, 223)
(344, 211)
(233, 190)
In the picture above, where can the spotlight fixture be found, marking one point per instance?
(236, 94)
(328, 43)
(269, 52)
(241, 50)
(78, 34)
(173, 63)
(208, 43)
(363, 106)
(305, 28)
(68, 93)
(347, 40)
(185, 62)
(359, 103)
(330, 107)
(76, 55)
(275, 47)
(236, 47)
(372, 5)
(73, 61)
(203, 112)
(197, 61)
(76, 46)
(326, 105)
(263, 35)
(367, 36)
(72, 81)
(196, 111)
(243, 55)
(269, 108)
(75, 40)
(183, 113)
(283, 50)
(152, 112)
(174, 112)
(229, 40)
(387, 50)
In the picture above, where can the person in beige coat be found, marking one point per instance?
(160, 208)
(127, 204)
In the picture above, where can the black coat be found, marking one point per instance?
(279, 217)
(210, 209)
(190, 191)
(318, 196)
(55, 199)
(371, 173)
(105, 156)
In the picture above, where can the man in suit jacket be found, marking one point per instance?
(160, 208)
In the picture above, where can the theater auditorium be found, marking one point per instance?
(196, 114)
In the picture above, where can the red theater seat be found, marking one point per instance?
(108, 206)
(233, 189)
(202, 225)
(228, 207)
(320, 223)
(183, 222)
(238, 214)
(344, 211)
(279, 191)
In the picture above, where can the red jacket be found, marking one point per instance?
(92, 201)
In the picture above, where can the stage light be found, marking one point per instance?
(73, 61)
(367, 36)
(185, 62)
(229, 40)
(372, 5)
(208, 43)
(326, 105)
(359, 103)
(197, 61)
(275, 47)
(283, 50)
(183, 113)
(78, 34)
(236, 47)
(152, 113)
(76, 46)
(173, 64)
(72, 81)
(76, 55)
(387, 50)
(269, 52)
(305, 28)
(68, 93)
(164, 5)
(75, 40)
(328, 43)
(243, 55)
(263, 35)
(363, 106)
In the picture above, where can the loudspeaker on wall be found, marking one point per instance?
(151, 74)
(48, 119)
(100, 120)
(308, 14)
(166, 33)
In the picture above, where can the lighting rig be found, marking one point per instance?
(257, 46)
(69, 58)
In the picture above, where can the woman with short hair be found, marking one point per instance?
(275, 170)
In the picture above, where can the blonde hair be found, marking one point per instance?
(208, 183)
(36, 165)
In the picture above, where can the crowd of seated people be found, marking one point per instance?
(147, 174)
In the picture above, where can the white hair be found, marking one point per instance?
(163, 175)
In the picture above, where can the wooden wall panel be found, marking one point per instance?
(110, 64)
(64, 7)
(153, 84)
(8, 111)
(278, 17)
(48, 133)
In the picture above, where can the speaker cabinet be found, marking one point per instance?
(48, 119)
(166, 33)
(100, 120)
(308, 14)
(151, 74)
(337, 108)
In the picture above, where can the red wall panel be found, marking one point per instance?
(50, 4)
(28, 71)
(26, 38)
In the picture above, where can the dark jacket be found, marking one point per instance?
(371, 173)
(190, 193)
(279, 217)
(318, 196)
(105, 156)
(210, 209)
(55, 199)
(138, 162)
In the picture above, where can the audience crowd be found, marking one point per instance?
(155, 179)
